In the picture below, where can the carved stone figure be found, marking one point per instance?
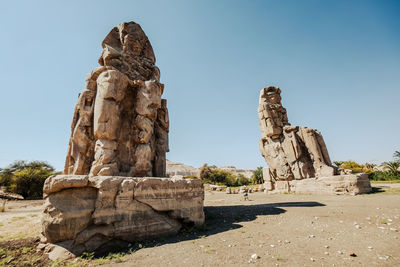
(119, 138)
(120, 124)
(292, 152)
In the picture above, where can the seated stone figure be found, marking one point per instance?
(120, 125)
(292, 152)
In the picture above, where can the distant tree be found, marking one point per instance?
(257, 176)
(214, 175)
(26, 178)
(392, 166)
(205, 172)
(242, 180)
(396, 155)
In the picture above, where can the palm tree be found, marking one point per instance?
(393, 166)
(396, 155)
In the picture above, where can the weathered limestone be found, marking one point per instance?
(120, 124)
(119, 138)
(294, 153)
(352, 184)
(90, 212)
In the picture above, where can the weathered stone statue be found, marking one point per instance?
(292, 152)
(118, 142)
(120, 124)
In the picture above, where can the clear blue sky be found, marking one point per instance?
(337, 63)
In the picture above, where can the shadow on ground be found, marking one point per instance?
(378, 189)
(218, 219)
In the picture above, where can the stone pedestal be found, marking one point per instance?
(83, 213)
(352, 184)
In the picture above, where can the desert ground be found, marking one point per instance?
(281, 229)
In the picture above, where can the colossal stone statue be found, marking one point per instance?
(297, 157)
(292, 152)
(120, 124)
(110, 192)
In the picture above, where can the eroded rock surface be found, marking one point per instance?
(93, 211)
(351, 184)
(292, 152)
(120, 124)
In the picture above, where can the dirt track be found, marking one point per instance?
(284, 230)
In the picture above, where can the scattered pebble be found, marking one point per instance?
(368, 218)
(355, 223)
(385, 258)
(381, 227)
(255, 256)
(341, 221)
(326, 246)
(393, 229)
(358, 227)
(287, 241)
(201, 246)
(311, 236)
(369, 247)
(279, 241)
(326, 253)
(390, 220)
(312, 259)
(353, 254)
(340, 252)
(272, 246)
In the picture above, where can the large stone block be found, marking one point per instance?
(84, 217)
(352, 184)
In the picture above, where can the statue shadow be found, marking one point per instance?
(378, 189)
(218, 219)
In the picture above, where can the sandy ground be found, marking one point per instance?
(283, 230)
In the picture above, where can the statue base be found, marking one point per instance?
(83, 214)
(352, 184)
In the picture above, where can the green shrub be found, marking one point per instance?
(354, 166)
(213, 175)
(29, 182)
(26, 178)
(242, 180)
(384, 176)
(368, 168)
(191, 177)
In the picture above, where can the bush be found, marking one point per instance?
(354, 166)
(242, 180)
(384, 176)
(214, 175)
(26, 178)
(390, 175)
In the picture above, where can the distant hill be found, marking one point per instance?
(177, 168)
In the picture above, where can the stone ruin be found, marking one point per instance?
(297, 157)
(110, 190)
